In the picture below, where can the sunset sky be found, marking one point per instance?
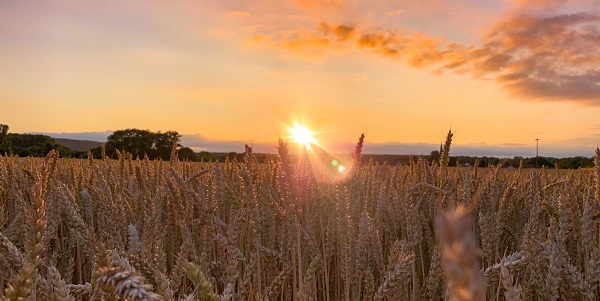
(223, 73)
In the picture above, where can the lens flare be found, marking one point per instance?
(302, 135)
(315, 159)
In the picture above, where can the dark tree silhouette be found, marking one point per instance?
(186, 154)
(140, 143)
(5, 147)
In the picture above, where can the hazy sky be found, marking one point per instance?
(499, 73)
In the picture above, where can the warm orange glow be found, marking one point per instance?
(394, 70)
(301, 134)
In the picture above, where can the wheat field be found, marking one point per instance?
(154, 230)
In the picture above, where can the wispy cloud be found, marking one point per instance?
(295, 43)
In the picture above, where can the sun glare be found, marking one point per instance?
(302, 135)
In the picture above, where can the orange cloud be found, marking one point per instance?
(309, 46)
(342, 32)
(536, 52)
(299, 43)
(533, 56)
(544, 56)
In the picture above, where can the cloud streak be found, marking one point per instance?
(542, 54)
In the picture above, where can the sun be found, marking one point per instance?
(301, 134)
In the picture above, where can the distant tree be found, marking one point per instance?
(434, 156)
(186, 154)
(25, 145)
(136, 142)
(140, 143)
(233, 156)
(5, 147)
(66, 152)
(96, 152)
(206, 156)
(164, 143)
(575, 162)
(540, 161)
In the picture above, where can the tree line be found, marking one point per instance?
(30, 145)
(138, 143)
(159, 145)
